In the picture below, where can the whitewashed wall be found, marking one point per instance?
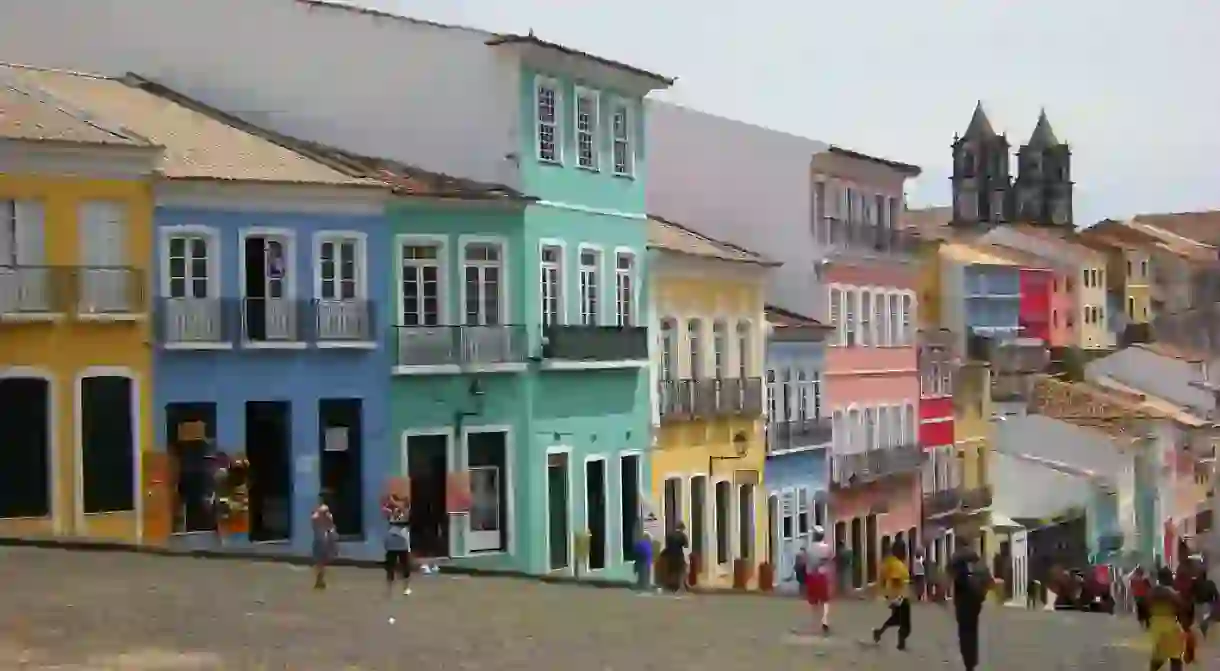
(740, 183)
(1023, 488)
(430, 96)
(1168, 378)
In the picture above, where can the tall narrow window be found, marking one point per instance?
(908, 425)
(724, 512)
(817, 394)
(866, 318)
(745, 350)
(908, 309)
(189, 268)
(720, 350)
(586, 129)
(623, 163)
(772, 391)
(624, 288)
(870, 429)
(548, 122)
(669, 347)
(836, 316)
(884, 437)
(855, 432)
(849, 318)
(786, 386)
(694, 340)
(802, 402)
(421, 285)
(338, 269)
(552, 285)
(590, 287)
(880, 321)
(484, 272)
(893, 310)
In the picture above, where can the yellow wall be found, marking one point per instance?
(972, 428)
(683, 448)
(66, 347)
(1092, 335)
(929, 286)
(1138, 287)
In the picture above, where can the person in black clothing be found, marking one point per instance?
(674, 555)
(970, 584)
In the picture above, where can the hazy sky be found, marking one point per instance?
(1133, 86)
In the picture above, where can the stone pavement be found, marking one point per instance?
(93, 611)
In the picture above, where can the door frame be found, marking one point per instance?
(404, 466)
(640, 497)
(288, 237)
(510, 457)
(569, 514)
(36, 373)
(137, 437)
(608, 531)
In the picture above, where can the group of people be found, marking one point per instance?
(1172, 608)
(815, 568)
(396, 508)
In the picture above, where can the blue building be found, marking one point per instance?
(798, 438)
(982, 292)
(267, 336)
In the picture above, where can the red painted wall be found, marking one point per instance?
(936, 434)
(1035, 306)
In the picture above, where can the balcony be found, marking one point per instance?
(956, 500)
(797, 434)
(30, 292)
(196, 323)
(687, 399)
(863, 467)
(88, 292)
(274, 322)
(343, 322)
(462, 346)
(870, 239)
(595, 343)
(1020, 356)
(110, 292)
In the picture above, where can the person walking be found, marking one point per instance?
(817, 568)
(1164, 624)
(972, 582)
(1140, 586)
(397, 511)
(673, 555)
(643, 562)
(894, 580)
(324, 541)
(919, 576)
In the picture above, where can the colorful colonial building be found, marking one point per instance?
(76, 205)
(707, 461)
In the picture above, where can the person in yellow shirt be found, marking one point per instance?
(1164, 625)
(893, 582)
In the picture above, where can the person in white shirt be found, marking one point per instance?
(918, 575)
(819, 562)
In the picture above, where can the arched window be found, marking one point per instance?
(669, 349)
(695, 341)
(745, 349)
(720, 350)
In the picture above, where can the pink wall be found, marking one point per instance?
(1063, 302)
(902, 494)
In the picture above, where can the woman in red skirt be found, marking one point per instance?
(818, 565)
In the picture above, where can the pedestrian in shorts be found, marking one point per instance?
(397, 511)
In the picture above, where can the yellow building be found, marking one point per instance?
(709, 448)
(1129, 267)
(76, 209)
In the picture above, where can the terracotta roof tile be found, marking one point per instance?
(28, 114)
(673, 237)
(1200, 226)
(196, 144)
(783, 318)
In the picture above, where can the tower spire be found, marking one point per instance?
(980, 126)
(1043, 135)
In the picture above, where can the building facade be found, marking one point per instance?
(708, 457)
(798, 439)
(76, 205)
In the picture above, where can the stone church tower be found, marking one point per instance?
(982, 186)
(1044, 178)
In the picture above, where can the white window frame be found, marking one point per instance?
(441, 242)
(696, 365)
(908, 312)
(881, 321)
(594, 133)
(557, 127)
(910, 424)
(360, 240)
(463, 242)
(743, 333)
(720, 350)
(212, 235)
(599, 277)
(607, 513)
(851, 309)
(628, 141)
(288, 239)
(560, 285)
(836, 310)
(866, 317)
(668, 365)
(632, 275)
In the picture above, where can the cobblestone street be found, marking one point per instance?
(78, 611)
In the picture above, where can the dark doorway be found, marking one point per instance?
(672, 506)
(723, 510)
(698, 517)
(25, 484)
(264, 310)
(108, 450)
(427, 468)
(558, 508)
(629, 489)
(269, 449)
(857, 553)
(341, 440)
(488, 492)
(870, 542)
(772, 535)
(595, 512)
(190, 430)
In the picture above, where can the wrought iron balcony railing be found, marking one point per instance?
(956, 500)
(110, 291)
(343, 320)
(197, 323)
(34, 290)
(274, 320)
(595, 343)
(85, 291)
(799, 433)
(459, 345)
(686, 399)
(871, 465)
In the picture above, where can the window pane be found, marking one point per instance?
(177, 247)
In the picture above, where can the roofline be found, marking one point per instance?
(905, 168)
(381, 14)
(759, 258)
(134, 146)
(508, 38)
(809, 321)
(370, 186)
(310, 150)
(761, 263)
